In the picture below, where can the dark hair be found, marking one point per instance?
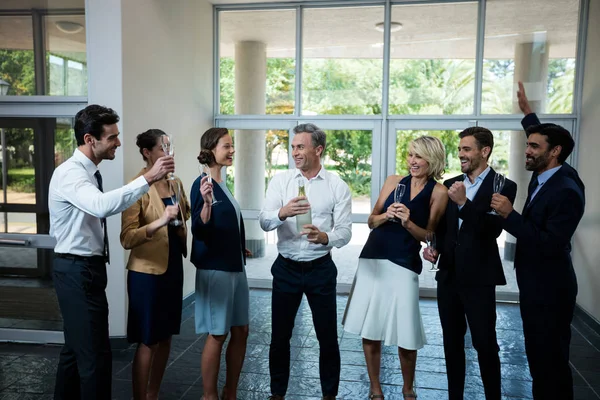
(556, 135)
(92, 120)
(483, 137)
(208, 142)
(316, 134)
(147, 140)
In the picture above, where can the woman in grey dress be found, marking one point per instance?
(219, 254)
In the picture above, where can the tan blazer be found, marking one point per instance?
(150, 255)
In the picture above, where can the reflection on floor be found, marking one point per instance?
(27, 303)
(27, 371)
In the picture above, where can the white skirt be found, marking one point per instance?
(384, 305)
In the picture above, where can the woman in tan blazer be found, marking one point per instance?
(155, 278)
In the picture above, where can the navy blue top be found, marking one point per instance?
(217, 245)
(391, 241)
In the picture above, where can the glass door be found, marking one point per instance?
(30, 148)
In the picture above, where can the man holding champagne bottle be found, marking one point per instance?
(311, 210)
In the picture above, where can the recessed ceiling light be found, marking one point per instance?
(394, 26)
(69, 27)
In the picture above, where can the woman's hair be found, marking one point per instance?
(148, 139)
(208, 142)
(431, 149)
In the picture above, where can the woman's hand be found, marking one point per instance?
(206, 190)
(403, 214)
(392, 211)
(170, 214)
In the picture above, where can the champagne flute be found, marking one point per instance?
(166, 142)
(205, 170)
(398, 194)
(430, 240)
(175, 193)
(499, 180)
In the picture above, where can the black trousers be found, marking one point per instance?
(85, 364)
(316, 279)
(475, 305)
(547, 330)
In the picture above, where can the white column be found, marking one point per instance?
(105, 87)
(250, 99)
(531, 68)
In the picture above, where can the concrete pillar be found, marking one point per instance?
(531, 68)
(250, 99)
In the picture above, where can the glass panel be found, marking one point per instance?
(16, 56)
(346, 258)
(17, 159)
(432, 70)
(66, 60)
(539, 51)
(246, 162)
(348, 154)
(18, 223)
(257, 64)
(342, 61)
(64, 140)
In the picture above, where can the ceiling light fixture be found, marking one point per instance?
(69, 27)
(394, 26)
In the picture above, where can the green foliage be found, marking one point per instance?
(351, 153)
(17, 69)
(20, 180)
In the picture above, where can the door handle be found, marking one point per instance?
(15, 242)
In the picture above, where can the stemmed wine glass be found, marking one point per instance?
(499, 180)
(166, 142)
(175, 193)
(205, 169)
(398, 194)
(430, 240)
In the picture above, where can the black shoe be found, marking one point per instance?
(276, 397)
(328, 397)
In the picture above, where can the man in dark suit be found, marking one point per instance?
(470, 264)
(545, 275)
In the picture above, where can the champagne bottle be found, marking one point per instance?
(306, 218)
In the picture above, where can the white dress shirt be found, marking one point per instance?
(330, 207)
(77, 205)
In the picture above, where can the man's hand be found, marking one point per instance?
(501, 204)
(314, 235)
(430, 254)
(458, 193)
(522, 98)
(293, 208)
(160, 169)
(248, 253)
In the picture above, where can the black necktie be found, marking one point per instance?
(103, 220)
(533, 184)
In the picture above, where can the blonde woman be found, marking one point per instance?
(384, 302)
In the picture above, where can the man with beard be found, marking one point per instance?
(545, 275)
(304, 264)
(78, 212)
(470, 264)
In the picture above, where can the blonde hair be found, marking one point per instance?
(432, 150)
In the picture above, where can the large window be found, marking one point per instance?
(539, 51)
(43, 50)
(257, 62)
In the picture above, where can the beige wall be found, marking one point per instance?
(586, 252)
(150, 60)
(167, 82)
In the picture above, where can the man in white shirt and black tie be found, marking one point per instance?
(78, 212)
(304, 264)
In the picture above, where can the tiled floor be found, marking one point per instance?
(27, 371)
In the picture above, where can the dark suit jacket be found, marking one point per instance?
(543, 255)
(471, 253)
(220, 243)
